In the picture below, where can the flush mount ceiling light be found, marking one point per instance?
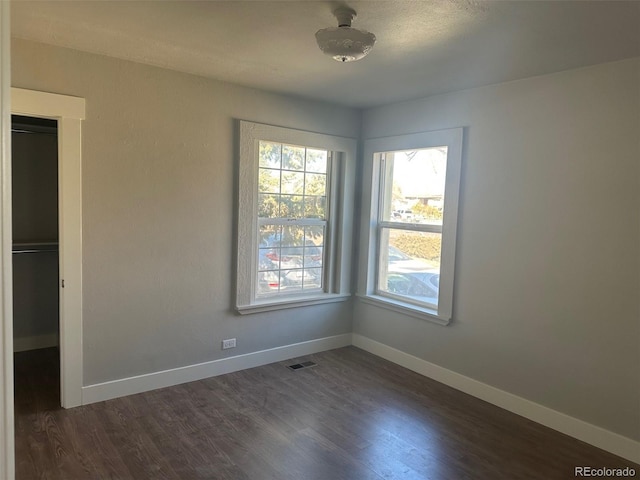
(344, 43)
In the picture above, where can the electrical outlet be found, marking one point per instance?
(228, 343)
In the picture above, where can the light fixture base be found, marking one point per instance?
(345, 16)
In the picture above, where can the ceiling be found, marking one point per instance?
(423, 47)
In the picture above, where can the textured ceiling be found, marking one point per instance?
(423, 48)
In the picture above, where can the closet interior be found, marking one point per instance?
(35, 256)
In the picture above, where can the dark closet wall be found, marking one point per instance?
(35, 221)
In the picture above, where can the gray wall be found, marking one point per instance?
(158, 193)
(546, 299)
(34, 183)
(35, 298)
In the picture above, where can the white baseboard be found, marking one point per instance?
(22, 344)
(167, 378)
(591, 434)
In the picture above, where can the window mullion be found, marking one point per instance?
(304, 222)
(415, 227)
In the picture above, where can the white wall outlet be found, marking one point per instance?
(228, 343)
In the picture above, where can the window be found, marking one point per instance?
(292, 218)
(410, 231)
(294, 230)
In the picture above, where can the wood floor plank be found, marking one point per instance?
(353, 416)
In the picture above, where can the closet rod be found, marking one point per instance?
(34, 247)
(31, 132)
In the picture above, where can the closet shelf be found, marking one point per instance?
(35, 247)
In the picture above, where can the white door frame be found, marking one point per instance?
(7, 460)
(69, 112)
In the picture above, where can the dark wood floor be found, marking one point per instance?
(352, 416)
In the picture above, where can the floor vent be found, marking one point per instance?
(298, 366)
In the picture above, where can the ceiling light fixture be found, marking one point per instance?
(344, 43)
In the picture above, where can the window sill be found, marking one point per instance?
(423, 313)
(268, 306)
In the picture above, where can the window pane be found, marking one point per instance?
(315, 207)
(268, 181)
(268, 259)
(410, 265)
(293, 182)
(291, 280)
(293, 236)
(315, 184)
(292, 157)
(268, 206)
(270, 235)
(312, 256)
(268, 283)
(315, 234)
(312, 278)
(291, 206)
(270, 154)
(414, 182)
(316, 161)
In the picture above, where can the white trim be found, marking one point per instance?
(35, 342)
(7, 440)
(416, 311)
(69, 111)
(293, 303)
(167, 378)
(50, 105)
(589, 433)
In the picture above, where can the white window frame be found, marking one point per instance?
(371, 225)
(341, 186)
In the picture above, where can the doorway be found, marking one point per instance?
(36, 306)
(67, 113)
